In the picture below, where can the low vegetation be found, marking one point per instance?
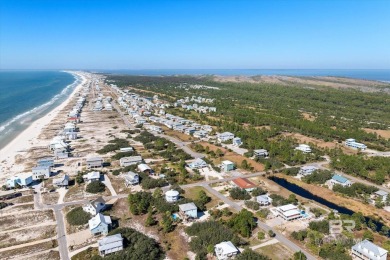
(96, 187)
(77, 217)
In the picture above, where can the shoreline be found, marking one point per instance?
(29, 136)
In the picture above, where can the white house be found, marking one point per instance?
(307, 170)
(95, 206)
(225, 250)
(338, 179)
(62, 181)
(144, 168)
(381, 194)
(289, 212)
(188, 210)
(91, 176)
(237, 141)
(197, 164)
(131, 178)
(368, 251)
(41, 172)
(353, 144)
(260, 153)
(110, 244)
(264, 200)
(94, 162)
(227, 166)
(131, 160)
(303, 148)
(226, 136)
(172, 196)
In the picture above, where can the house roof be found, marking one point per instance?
(308, 168)
(226, 247)
(263, 198)
(287, 207)
(41, 167)
(110, 242)
(381, 193)
(227, 162)
(370, 247)
(96, 220)
(131, 159)
(61, 180)
(172, 193)
(187, 207)
(92, 175)
(244, 183)
(339, 178)
(94, 159)
(143, 167)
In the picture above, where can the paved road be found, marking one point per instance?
(181, 145)
(61, 235)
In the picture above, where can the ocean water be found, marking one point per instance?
(381, 75)
(25, 96)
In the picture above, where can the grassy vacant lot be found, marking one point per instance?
(22, 199)
(30, 234)
(27, 250)
(276, 251)
(86, 254)
(28, 218)
(51, 255)
(50, 197)
(192, 193)
(76, 192)
(183, 137)
(18, 208)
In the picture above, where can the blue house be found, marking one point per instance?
(99, 224)
(22, 180)
(338, 179)
(188, 210)
(46, 162)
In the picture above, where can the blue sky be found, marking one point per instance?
(220, 34)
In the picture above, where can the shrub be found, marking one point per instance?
(252, 204)
(96, 187)
(239, 194)
(77, 217)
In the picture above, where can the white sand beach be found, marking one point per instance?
(29, 137)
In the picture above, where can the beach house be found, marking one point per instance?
(62, 181)
(260, 153)
(46, 162)
(303, 148)
(91, 176)
(131, 160)
(22, 180)
(225, 250)
(307, 170)
(110, 244)
(197, 164)
(353, 144)
(144, 168)
(224, 137)
(95, 206)
(131, 178)
(338, 179)
(367, 250)
(244, 184)
(94, 162)
(41, 172)
(188, 210)
(99, 224)
(264, 200)
(288, 212)
(237, 141)
(69, 127)
(381, 194)
(172, 196)
(227, 166)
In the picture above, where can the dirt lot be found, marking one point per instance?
(232, 156)
(51, 255)
(17, 208)
(30, 218)
(26, 235)
(22, 199)
(21, 253)
(50, 197)
(276, 251)
(382, 133)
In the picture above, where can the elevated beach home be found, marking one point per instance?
(237, 141)
(353, 144)
(244, 184)
(188, 210)
(41, 172)
(94, 162)
(46, 162)
(69, 127)
(110, 244)
(99, 224)
(225, 250)
(288, 212)
(91, 176)
(131, 178)
(144, 168)
(62, 181)
(95, 206)
(22, 180)
(367, 250)
(264, 200)
(227, 166)
(172, 196)
(338, 179)
(260, 153)
(303, 148)
(307, 170)
(131, 160)
(197, 164)
(381, 194)
(226, 136)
